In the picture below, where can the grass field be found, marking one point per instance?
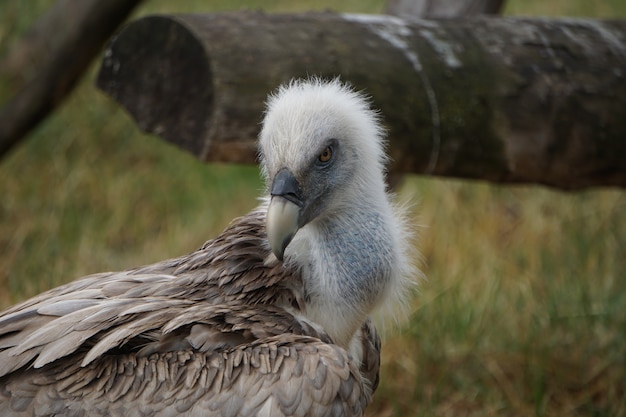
(523, 312)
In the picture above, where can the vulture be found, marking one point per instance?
(270, 318)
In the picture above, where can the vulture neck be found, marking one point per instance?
(346, 257)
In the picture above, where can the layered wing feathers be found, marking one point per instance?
(285, 375)
(196, 334)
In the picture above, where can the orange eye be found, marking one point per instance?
(326, 155)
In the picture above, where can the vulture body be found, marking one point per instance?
(270, 318)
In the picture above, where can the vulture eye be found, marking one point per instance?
(326, 155)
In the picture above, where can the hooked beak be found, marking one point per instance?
(283, 213)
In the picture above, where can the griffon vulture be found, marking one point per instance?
(270, 318)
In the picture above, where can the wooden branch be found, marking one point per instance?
(53, 55)
(501, 99)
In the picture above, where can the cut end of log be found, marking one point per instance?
(162, 73)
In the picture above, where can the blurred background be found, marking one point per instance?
(522, 313)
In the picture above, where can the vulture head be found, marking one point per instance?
(322, 154)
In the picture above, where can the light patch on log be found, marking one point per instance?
(391, 29)
(444, 49)
(612, 39)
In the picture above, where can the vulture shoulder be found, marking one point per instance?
(214, 333)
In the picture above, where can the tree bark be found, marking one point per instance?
(501, 99)
(42, 67)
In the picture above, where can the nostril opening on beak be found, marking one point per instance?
(293, 197)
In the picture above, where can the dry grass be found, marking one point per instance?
(522, 313)
(523, 310)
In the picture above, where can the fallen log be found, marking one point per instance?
(502, 99)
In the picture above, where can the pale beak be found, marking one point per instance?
(283, 214)
(281, 224)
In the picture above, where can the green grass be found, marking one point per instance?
(523, 312)
(608, 9)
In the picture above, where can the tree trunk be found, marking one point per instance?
(501, 99)
(43, 66)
